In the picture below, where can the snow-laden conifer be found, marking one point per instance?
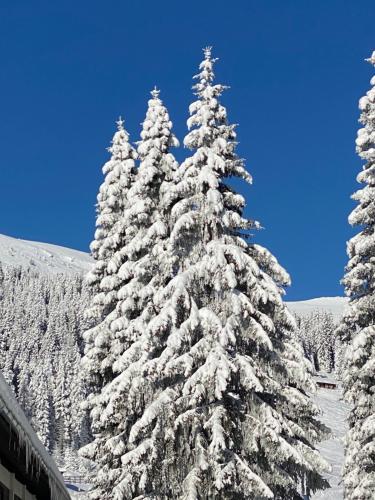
(215, 400)
(146, 267)
(110, 236)
(358, 324)
(316, 335)
(148, 264)
(41, 324)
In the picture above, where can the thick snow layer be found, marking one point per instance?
(334, 413)
(334, 305)
(18, 420)
(44, 257)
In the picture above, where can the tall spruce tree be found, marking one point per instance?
(358, 324)
(147, 266)
(214, 405)
(144, 269)
(110, 236)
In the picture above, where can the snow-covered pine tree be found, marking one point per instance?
(147, 267)
(42, 419)
(303, 334)
(110, 237)
(41, 325)
(216, 405)
(315, 333)
(326, 339)
(358, 324)
(340, 349)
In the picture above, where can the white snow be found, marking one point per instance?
(17, 418)
(44, 257)
(334, 413)
(334, 305)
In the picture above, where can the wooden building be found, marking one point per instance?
(326, 384)
(27, 472)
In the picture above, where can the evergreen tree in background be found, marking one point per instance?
(213, 405)
(41, 325)
(326, 340)
(41, 395)
(145, 267)
(358, 324)
(316, 335)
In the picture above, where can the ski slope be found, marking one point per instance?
(43, 257)
(334, 413)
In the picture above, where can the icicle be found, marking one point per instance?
(35, 452)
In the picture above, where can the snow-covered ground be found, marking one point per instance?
(44, 257)
(334, 413)
(334, 305)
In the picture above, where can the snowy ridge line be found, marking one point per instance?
(28, 437)
(334, 305)
(43, 257)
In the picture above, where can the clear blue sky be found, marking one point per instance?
(296, 72)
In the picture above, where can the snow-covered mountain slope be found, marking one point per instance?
(44, 257)
(334, 415)
(53, 259)
(334, 305)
